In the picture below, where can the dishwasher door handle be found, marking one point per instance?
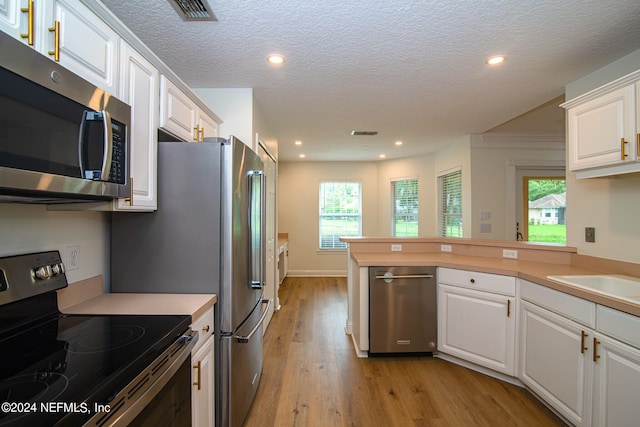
(407, 276)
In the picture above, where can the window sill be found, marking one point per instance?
(331, 251)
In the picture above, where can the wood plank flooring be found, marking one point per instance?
(312, 377)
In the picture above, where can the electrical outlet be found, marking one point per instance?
(73, 258)
(445, 248)
(396, 248)
(590, 234)
(510, 253)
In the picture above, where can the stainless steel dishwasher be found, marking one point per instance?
(402, 310)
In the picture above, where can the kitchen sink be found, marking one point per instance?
(624, 287)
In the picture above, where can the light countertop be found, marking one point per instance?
(87, 297)
(536, 272)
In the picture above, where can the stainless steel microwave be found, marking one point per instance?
(60, 136)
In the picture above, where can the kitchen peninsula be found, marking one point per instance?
(499, 313)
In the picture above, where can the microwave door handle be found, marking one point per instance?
(108, 146)
(81, 144)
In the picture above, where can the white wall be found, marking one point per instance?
(298, 211)
(493, 187)
(420, 167)
(31, 228)
(241, 116)
(611, 205)
(235, 108)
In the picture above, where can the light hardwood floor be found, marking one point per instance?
(311, 376)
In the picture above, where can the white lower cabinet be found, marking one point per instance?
(202, 373)
(554, 362)
(203, 392)
(474, 324)
(583, 359)
(616, 385)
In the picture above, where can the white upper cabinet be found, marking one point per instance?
(67, 32)
(206, 126)
(139, 88)
(181, 116)
(177, 111)
(603, 128)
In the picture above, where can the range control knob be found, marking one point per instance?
(43, 272)
(57, 269)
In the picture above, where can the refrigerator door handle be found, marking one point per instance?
(246, 338)
(256, 281)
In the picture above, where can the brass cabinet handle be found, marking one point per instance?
(197, 382)
(56, 41)
(596, 356)
(29, 11)
(196, 137)
(473, 280)
(130, 198)
(202, 134)
(623, 154)
(205, 328)
(508, 307)
(583, 347)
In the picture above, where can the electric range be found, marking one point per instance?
(72, 370)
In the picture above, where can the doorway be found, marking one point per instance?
(541, 205)
(271, 267)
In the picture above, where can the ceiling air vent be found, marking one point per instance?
(193, 10)
(364, 132)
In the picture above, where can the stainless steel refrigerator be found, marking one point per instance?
(207, 236)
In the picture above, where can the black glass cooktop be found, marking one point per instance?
(58, 370)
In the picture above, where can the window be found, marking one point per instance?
(340, 213)
(450, 204)
(404, 215)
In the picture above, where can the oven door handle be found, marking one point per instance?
(127, 404)
(246, 338)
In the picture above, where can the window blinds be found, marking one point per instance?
(404, 199)
(450, 204)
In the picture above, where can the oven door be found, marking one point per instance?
(161, 395)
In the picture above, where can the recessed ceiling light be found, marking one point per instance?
(495, 60)
(275, 59)
(382, 156)
(298, 142)
(398, 143)
(302, 156)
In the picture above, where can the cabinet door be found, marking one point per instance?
(88, 46)
(12, 20)
(477, 326)
(616, 383)
(139, 88)
(203, 395)
(207, 125)
(597, 127)
(553, 363)
(177, 111)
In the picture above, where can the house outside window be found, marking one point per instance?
(340, 213)
(450, 204)
(404, 215)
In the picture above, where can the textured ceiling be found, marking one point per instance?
(412, 70)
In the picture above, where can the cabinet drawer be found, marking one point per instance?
(505, 285)
(574, 308)
(204, 325)
(619, 325)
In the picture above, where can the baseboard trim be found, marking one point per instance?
(317, 273)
